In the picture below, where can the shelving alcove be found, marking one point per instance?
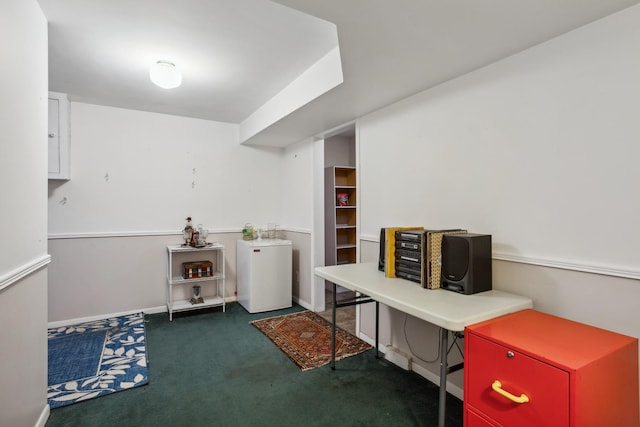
(179, 289)
(340, 218)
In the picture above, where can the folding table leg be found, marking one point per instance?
(377, 328)
(442, 398)
(333, 329)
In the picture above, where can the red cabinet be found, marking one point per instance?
(533, 369)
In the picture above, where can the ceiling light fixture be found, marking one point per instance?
(165, 74)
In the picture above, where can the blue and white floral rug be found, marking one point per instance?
(95, 358)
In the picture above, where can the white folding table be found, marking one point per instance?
(448, 310)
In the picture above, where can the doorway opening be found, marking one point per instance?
(340, 216)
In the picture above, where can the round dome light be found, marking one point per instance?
(165, 74)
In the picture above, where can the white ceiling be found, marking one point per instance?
(236, 55)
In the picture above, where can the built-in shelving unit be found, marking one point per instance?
(179, 289)
(341, 204)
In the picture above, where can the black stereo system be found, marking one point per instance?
(410, 252)
(466, 263)
(451, 259)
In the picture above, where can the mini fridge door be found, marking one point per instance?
(264, 275)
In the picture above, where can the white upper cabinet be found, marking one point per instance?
(58, 136)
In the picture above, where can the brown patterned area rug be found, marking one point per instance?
(306, 338)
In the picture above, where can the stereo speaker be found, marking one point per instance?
(382, 249)
(466, 263)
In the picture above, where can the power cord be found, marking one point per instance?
(456, 336)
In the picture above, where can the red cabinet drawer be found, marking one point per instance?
(472, 419)
(598, 369)
(546, 387)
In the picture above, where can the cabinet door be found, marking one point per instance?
(58, 136)
(54, 136)
(545, 387)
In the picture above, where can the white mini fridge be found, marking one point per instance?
(264, 271)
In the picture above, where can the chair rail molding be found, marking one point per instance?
(147, 233)
(605, 270)
(138, 233)
(568, 265)
(17, 274)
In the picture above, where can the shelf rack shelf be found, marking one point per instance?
(340, 215)
(213, 287)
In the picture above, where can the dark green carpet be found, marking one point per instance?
(215, 369)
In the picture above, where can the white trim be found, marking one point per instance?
(150, 310)
(23, 271)
(366, 238)
(44, 416)
(371, 341)
(148, 233)
(297, 230)
(565, 265)
(304, 304)
(101, 234)
(560, 264)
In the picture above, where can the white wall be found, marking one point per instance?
(528, 135)
(294, 193)
(94, 277)
(108, 235)
(134, 171)
(296, 197)
(23, 216)
(540, 150)
(24, 129)
(302, 269)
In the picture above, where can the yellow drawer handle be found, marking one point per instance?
(497, 387)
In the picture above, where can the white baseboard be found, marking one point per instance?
(303, 304)
(371, 341)
(44, 416)
(75, 321)
(149, 310)
(418, 369)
